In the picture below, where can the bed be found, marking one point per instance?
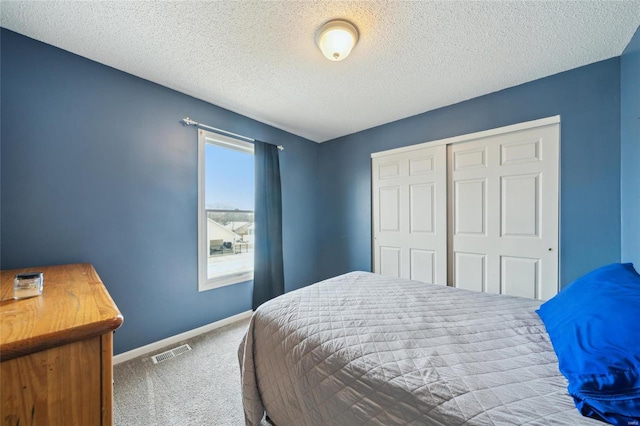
(361, 348)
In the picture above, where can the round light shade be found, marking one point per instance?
(336, 39)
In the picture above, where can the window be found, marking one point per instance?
(225, 210)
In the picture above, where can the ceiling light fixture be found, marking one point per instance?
(336, 39)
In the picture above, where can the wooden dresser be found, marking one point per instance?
(56, 350)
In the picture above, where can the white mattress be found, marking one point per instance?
(365, 349)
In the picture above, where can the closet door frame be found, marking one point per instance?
(467, 138)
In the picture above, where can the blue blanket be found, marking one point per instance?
(594, 326)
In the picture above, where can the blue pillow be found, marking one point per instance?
(594, 326)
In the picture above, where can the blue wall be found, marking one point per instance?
(95, 167)
(586, 98)
(630, 149)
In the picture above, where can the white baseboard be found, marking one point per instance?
(134, 353)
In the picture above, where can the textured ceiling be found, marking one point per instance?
(259, 58)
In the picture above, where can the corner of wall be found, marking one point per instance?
(630, 151)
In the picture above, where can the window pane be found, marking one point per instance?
(229, 200)
(229, 179)
(230, 237)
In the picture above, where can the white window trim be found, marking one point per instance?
(204, 283)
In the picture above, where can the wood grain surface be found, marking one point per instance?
(56, 350)
(59, 386)
(74, 306)
(107, 379)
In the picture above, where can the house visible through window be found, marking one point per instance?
(226, 218)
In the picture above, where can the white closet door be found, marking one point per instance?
(503, 204)
(409, 215)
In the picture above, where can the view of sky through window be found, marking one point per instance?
(229, 177)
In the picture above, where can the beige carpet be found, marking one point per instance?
(201, 387)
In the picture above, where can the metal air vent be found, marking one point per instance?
(172, 353)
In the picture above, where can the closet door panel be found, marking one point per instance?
(409, 214)
(520, 206)
(389, 211)
(423, 265)
(505, 206)
(422, 208)
(390, 261)
(520, 276)
(470, 271)
(470, 207)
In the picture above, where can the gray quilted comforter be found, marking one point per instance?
(365, 349)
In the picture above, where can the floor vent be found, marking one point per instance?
(170, 353)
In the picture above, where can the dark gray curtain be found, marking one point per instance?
(268, 274)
